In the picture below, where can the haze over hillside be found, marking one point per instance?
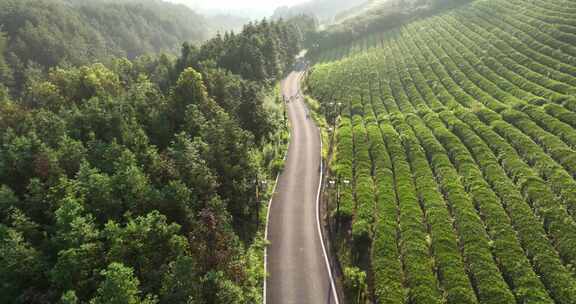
(325, 10)
(52, 32)
(252, 9)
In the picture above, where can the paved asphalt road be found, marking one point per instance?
(297, 270)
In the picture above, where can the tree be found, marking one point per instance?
(21, 267)
(77, 268)
(80, 84)
(94, 31)
(98, 189)
(8, 200)
(24, 158)
(212, 242)
(190, 90)
(131, 185)
(71, 155)
(187, 58)
(4, 95)
(5, 71)
(193, 170)
(43, 94)
(148, 244)
(179, 204)
(120, 287)
(125, 178)
(50, 128)
(222, 289)
(182, 282)
(74, 226)
(69, 297)
(251, 112)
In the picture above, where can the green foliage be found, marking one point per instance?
(77, 268)
(226, 291)
(376, 16)
(145, 243)
(7, 200)
(467, 118)
(120, 287)
(180, 284)
(69, 298)
(355, 284)
(261, 51)
(277, 166)
(73, 227)
(130, 178)
(5, 71)
(95, 29)
(21, 266)
(140, 27)
(33, 32)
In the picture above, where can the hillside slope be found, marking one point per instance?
(325, 10)
(95, 29)
(457, 134)
(377, 16)
(48, 33)
(380, 9)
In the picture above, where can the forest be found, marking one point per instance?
(131, 178)
(139, 149)
(49, 33)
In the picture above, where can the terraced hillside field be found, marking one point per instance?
(458, 136)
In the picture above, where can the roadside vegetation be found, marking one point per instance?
(141, 181)
(457, 135)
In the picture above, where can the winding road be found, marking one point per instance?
(296, 258)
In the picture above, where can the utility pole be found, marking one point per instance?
(339, 111)
(346, 183)
(332, 185)
(257, 183)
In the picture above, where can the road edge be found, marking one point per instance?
(329, 257)
(266, 238)
(319, 196)
(320, 228)
(318, 212)
(318, 222)
(265, 283)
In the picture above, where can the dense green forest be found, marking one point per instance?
(48, 33)
(133, 181)
(77, 31)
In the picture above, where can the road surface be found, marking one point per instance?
(296, 264)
